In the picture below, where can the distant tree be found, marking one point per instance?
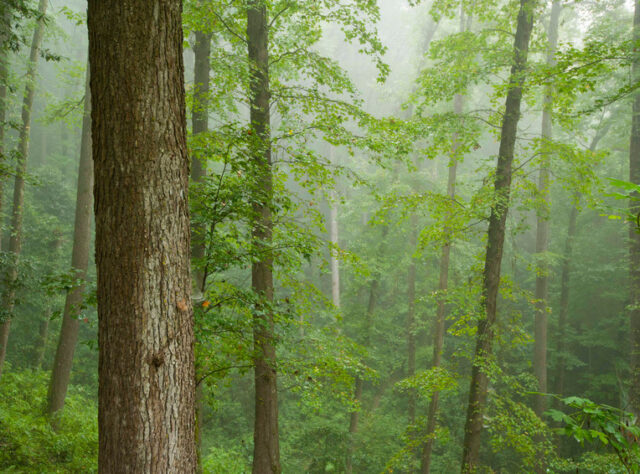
(146, 374)
(15, 242)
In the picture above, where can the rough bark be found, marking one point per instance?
(68, 338)
(15, 242)
(495, 240)
(146, 395)
(542, 230)
(443, 285)
(266, 449)
(634, 232)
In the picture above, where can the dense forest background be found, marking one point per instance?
(383, 124)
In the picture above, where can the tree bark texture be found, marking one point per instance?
(634, 232)
(68, 338)
(15, 241)
(266, 447)
(146, 409)
(542, 230)
(495, 240)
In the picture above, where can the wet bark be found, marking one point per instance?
(68, 338)
(146, 409)
(495, 240)
(266, 445)
(15, 241)
(542, 231)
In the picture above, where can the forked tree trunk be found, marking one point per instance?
(634, 232)
(68, 339)
(542, 233)
(146, 409)
(495, 240)
(15, 241)
(266, 446)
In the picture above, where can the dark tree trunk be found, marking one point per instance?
(146, 410)
(495, 240)
(266, 449)
(542, 233)
(67, 341)
(15, 242)
(634, 232)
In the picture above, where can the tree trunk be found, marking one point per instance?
(4, 78)
(266, 448)
(443, 285)
(411, 319)
(146, 410)
(67, 341)
(42, 340)
(495, 240)
(566, 277)
(357, 394)
(542, 233)
(634, 232)
(15, 242)
(200, 125)
(335, 264)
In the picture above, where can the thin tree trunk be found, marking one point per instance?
(565, 278)
(146, 409)
(357, 394)
(4, 78)
(15, 242)
(634, 232)
(495, 240)
(411, 318)
(266, 450)
(199, 125)
(67, 341)
(42, 339)
(443, 285)
(542, 233)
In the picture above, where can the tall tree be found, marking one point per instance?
(68, 338)
(5, 25)
(634, 232)
(15, 241)
(542, 232)
(146, 409)
(495, 240)
(266, 448)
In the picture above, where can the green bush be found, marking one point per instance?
(27, 441)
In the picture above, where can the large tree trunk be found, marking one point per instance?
(495, 240)
(542, 233)
(67, 341)
(266, 449)
(146, 411)
(443, 285)
(634, 232)
(15, 242)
